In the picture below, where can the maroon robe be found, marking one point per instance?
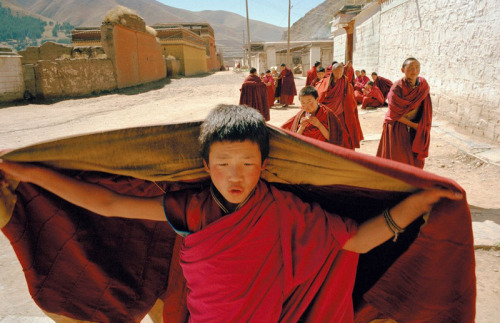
(288, 89)
(312, 75)
(269, 81)
(360, 82)
(327, 119)
(349, 73)
(99, 269)
(263, 263)
(399, 142)
(384, 85)
(373, 98)
(254, 94)
(340, 99)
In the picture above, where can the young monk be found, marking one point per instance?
(269, 81)
(407, 123)
(254, 93)
(371, 96)
(312, 74)
(338, 95)
(315, 120)
(321, 75)
(273, 250)
(288, 90)
(382, 83)
(361, 81)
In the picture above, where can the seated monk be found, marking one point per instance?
(315, 120)
(254, 94)
(407, 124)
(382, 83)
(361, 81)
(371, 96)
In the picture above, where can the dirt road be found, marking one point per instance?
(187, 99)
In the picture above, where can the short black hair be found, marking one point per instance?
(317, 64)
(409, 60)
(268, 71)
(321, 69)
(253, 70)
(308, 90)
(363, 71)
(283, 64)
(232, 123)
(370, 83)
(374, 73)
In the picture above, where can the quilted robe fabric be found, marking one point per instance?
(91, 268)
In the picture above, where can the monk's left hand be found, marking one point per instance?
(423, 201)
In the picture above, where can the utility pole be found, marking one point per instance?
(288, 42)
(244, 45)
(248, 36)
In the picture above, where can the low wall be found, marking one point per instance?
(72, 77)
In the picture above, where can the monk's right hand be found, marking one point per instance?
(17, 171)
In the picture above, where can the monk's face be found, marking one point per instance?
(321, 75)
(411, 70)
(309, 103)
(234, 168)
(374, 77)
(358, 73)
(338, 72)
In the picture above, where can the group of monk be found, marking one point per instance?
(329, 106)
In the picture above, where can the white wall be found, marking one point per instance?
(339, 45)
(458, 45)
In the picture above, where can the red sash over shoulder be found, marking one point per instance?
(268, 262)
(327, 118)
(403, 99)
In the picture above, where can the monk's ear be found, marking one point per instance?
(264, 164)
(402, 69)
(205, 165)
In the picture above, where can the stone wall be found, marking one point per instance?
(73, 77)
(367, 40)
(11, 75)
(339, 44)
(458, 45)
(54, 70)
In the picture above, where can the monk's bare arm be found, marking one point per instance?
(89, 196)
(375, 231)
(409, 123)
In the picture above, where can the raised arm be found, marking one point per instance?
(377, 230)
(89, 196)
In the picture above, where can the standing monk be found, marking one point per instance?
(254, 94)
(349, 72)
(312, 74)
(338, 95)
(288, 90)
(382, 83)
(407, 124)
(269, 81)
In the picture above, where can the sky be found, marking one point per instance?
(274, 12)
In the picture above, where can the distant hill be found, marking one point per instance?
(228, 27)
(315, 24)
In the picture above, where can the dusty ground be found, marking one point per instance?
(187, 99)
